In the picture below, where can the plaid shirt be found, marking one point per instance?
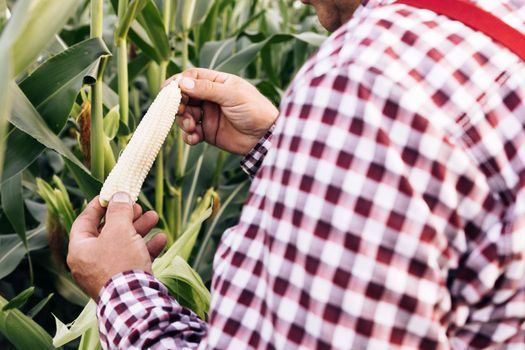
(389, 211)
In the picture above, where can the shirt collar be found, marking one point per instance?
(374, 3)
(367, 5)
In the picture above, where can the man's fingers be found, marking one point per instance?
(204, 89)
(156, 245)
(189, 120)
(137, 211)
(119, 214)
(192, 139)
(88, 221)
(200, 73)
(146, 222)
(207, 74)
(184, 101)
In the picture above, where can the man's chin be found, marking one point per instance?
(333, 14)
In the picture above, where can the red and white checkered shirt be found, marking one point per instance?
(389, 211)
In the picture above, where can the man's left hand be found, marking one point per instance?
(98, 252)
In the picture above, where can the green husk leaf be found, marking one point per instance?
(22, 331)
(186, 286)
(68, 332)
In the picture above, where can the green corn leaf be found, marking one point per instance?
(20, 151)
(68, 289)
(124, 23)
(111, 123)
(208, 28)
(147, 32)
(214, 52)
(185, 10)
(62, 281)
(110, 98)
(46, 192)
(90, 340)
(38, 307)
(5, 100)
(4, 14)
(68, 332)
(19, 300)
(191, 13)
(64, 73)
(36, 209)
(140, 37)
(13, 205)
(228, 208)
(184, 244)
(27, 119)
(219, 55)
(58, 201)
(191, 292)
(88, 185)
(12, 249)
(151, 20)
(135, 68)
(67, 72)
(60, 185)
(242, 11)
(21, 331)
(237, 62)
(253, 19)
(6, 73)
(32, 26)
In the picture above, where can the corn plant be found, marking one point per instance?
(77, 77)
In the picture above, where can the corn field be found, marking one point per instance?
(76, 77)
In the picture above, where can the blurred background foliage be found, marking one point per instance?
(76, 76)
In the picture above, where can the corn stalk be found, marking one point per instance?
(97, 113)
(162, 71)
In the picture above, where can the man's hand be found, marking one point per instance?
(97, 253)
(223, 110)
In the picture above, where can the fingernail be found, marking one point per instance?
(121, 197)
(187, 83)
(186, 124)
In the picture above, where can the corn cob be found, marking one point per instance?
(137, 158)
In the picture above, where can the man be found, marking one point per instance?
(388, 212)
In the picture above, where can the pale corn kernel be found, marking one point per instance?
(139, 155)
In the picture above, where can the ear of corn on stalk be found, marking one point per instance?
(139, 155)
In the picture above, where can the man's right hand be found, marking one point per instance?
(223, 110)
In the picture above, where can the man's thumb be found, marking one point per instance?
(204, 89)
(120, 211)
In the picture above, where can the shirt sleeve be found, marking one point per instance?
(135, 311)
(253, 160)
